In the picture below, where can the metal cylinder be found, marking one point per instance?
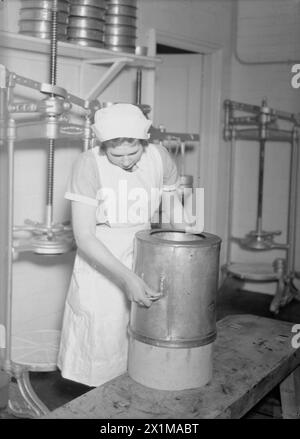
(120, 25)
(184, 267)
(86, 23)
(170, 343)
(36, 18)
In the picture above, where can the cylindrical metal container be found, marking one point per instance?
(36, 18)
(86, 23)
(120, 20)
(87, 12)
(119, 40)
(123, 2)
(85, 42)
(171, 340)
(63, 5)
(124, 31)
(40, 29)
(120, 25)
(130, 11)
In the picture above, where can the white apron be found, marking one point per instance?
(94, 338)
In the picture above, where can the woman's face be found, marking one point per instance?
(125, 155)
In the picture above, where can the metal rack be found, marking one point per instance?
(261, 124)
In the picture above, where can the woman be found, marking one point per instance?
(103, 189)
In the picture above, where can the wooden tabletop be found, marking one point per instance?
(251, 356)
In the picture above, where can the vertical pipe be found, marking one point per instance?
(139, 86)
(51, 149)
(292, 208)
(230, 201)
(260, 185)
(10, 145)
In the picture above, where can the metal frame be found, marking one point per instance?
(261, 124)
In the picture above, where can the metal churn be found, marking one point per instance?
(170, 343)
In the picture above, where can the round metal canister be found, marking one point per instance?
(125, 31)
(120, 20)
(123, 2)
(170, 343)
(85, 42)
(85, 23)
(87, 12)
(40, 26)
(130, 11)
(63, 5)
(42, 14)
(186, 181)
(90, 34)
(96, 3)
(36, 18)
(119, 40)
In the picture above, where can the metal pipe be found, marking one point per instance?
(139, 86)
(292, 209)
(260, 185)
(51, 149)
(230, 201)
(11, 133)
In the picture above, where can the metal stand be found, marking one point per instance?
(262, 126)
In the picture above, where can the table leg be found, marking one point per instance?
(290, 395)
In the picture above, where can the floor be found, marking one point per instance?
(55, 391)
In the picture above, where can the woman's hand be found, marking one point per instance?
(138, 291)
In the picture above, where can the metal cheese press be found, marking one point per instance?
(261, 123)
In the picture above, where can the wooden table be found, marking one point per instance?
(252, 355)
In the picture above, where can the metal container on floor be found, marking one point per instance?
(171, 342)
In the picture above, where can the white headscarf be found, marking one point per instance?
(121, 120)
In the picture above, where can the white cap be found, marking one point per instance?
(121, 120)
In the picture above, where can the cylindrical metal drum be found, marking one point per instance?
(171, 342)
(120, 25)
(63, 5)
(36, 18)
(87, 12)
(86, 22)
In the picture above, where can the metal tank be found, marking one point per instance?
(182, 323)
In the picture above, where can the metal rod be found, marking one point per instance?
(139, 86)
(292, 208)
(260, 185)
(230, 201)
(10, 215)
(51, 149)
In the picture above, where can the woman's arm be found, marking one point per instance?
(84, 228)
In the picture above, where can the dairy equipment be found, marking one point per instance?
(170, 343)
(120, 25)
(261, 124)
(36, 18)
(86, 22)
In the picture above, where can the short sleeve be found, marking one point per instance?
(84, 181)
(170, 173)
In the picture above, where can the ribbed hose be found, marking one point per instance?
(51, 151)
